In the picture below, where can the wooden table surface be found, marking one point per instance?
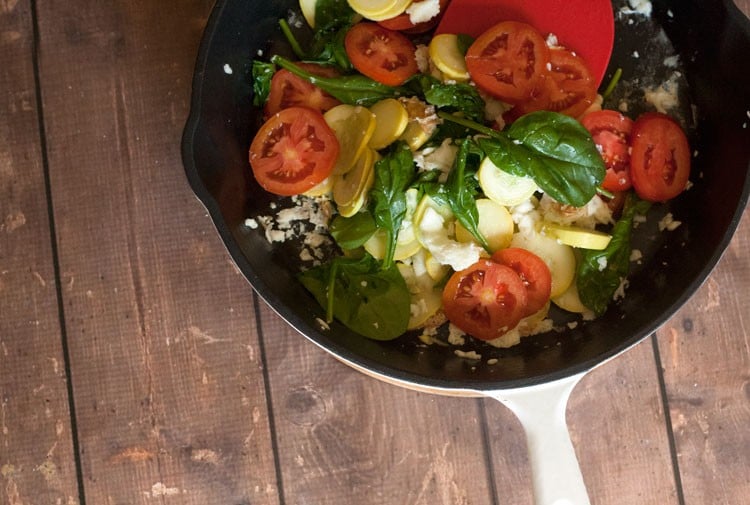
(137, 366)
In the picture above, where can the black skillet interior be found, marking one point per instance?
(712, 42)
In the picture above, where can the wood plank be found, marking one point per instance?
(37, 460)
(705, 353)
(344, 437)
(168, 379)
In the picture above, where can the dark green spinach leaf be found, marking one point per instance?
(369, 300)
(553, 149)
(600, 273)
(461, 193)
(393, 175)
(454, 97)
(262, 73)
(352, 232)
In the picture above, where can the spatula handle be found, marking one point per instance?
(556, 475)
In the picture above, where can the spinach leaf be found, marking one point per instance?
(353, 89)
(328, 48)
(332, 15)
(462, 191)
(553, 149)
(460, 97)
(352, 232)
(464, 42)
(393, 175)
(371, 301)
(262, 73)
(565, 162)
(601, 272)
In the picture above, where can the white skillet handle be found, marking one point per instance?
(555, 473)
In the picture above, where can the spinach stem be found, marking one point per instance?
(603, 192)
(330, 291)
(468, 123)
(287, 31)
(612, 84)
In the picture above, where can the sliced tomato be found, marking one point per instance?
(611, 133)
(403, 23)
(566, 87)
(508, 60)
(289, 90)
(293, 151)
(533, 272)
(381, 54)
(659, 157)
(485, 300)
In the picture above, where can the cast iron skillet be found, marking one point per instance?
(712, 40)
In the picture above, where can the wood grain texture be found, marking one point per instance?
(706, 358)
(168, 381)
(37, 462)
(344, 437)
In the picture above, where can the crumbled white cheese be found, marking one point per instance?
(595, 212)
(494, 109)
(227, 69)
(668, 223)
(552, 41)
(638, 7)
(445, 250)
(455, 335)
(601, 263)
(664, 97)
(422, 11)
(672, 61)
(422, 54)
(468, 354)
(437, 158)
(306, 220)
(620, 291)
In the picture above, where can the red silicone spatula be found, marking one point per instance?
(584, 26)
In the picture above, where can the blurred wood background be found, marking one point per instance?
(137, 366)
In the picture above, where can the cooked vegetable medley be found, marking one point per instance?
(474, 181)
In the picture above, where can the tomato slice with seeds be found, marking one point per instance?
(534, 274)
(565, 87)
(508, 60)
(381, 54)
(293, 151)
(659, 157)
(288, 90)
(485, 300)
(611, 133)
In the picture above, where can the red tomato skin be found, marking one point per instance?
(381, 54)
(659, 157)
(293, 151)
(508, 60)
(611, 132)
(289, 90)
(566, 87)
(485, 300)
(402, 22)
(533, 272)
